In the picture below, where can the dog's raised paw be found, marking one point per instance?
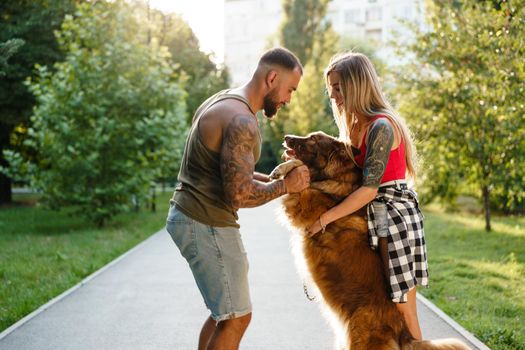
(284, 168)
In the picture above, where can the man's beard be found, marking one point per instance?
(270, 105)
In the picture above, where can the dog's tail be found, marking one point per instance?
(440, 344)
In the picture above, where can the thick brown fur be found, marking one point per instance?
(344, 268)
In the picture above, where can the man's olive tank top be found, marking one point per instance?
(200, 193)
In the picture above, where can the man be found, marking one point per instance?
(216, 178)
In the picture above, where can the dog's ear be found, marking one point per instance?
(342, 151)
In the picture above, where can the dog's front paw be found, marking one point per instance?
(284, 168)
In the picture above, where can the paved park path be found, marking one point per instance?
(146, 299)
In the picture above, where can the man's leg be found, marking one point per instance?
(206, 333)
(221, 273)
(228, 333)
(409, 312)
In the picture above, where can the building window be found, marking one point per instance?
(374, 14)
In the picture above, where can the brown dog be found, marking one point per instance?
(346, 271)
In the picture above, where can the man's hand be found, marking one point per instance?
(297, 180)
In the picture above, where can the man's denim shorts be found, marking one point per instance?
(218, 261)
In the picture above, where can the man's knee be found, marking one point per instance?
(243, 321)
(238, 324)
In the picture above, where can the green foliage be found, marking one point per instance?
(462, 91)
(33, 22)
(311, 108)
(302, 23)
(109, 120)
(202, 76)
(8, 49)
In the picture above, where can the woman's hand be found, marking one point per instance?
(316, 227)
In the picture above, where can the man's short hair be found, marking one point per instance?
(281, 57)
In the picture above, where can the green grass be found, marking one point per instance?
(43, 252)
(478, 277)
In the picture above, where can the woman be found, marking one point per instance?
(381, 145)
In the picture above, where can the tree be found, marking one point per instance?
(203, 77)
(462, 93)
(311, 109)
(196, 73)
(109, 118)
(34, 23)
(303, 21)
(307, 34)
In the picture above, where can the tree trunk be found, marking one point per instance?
(5, 182)
(153, 200)
(5, 190)
(486, 205)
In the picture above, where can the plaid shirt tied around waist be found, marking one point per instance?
(407, 253)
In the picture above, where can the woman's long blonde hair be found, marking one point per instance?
(362, 95)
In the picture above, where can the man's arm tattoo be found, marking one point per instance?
(237, 166)
(380, 141)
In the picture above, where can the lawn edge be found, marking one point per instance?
(465, 333)
(77, 286)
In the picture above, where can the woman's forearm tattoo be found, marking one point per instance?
(379, 143)
(238, 164)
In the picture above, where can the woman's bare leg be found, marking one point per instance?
(409, 312)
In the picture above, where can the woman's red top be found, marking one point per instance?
(396, 166)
